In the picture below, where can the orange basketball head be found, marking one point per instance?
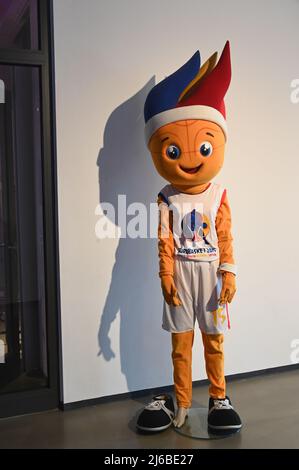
(188, 152)
(186, 122)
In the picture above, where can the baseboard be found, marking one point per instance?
(169, 388)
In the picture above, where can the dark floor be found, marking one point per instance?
(268, 405)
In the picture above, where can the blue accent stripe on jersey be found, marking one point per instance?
(161, 195)
(193, 220)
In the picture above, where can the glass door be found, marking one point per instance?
(28, 260)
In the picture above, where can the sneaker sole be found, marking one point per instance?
(161, 428)
(223, 428)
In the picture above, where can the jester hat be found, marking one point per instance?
(192, 92)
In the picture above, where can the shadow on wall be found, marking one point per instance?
(125, 167)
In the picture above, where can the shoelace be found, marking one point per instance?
(222, 405)
(159, 405)
(155, 405)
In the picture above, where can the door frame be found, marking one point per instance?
(30, 401)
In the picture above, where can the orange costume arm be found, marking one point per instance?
(223, 228)
(166, 242)
(227, 262)
(166, 254)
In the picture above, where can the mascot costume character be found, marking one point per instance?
(186, 132)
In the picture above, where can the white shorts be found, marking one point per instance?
(199, 285)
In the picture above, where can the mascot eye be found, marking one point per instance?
(206, 149)
(173, 152)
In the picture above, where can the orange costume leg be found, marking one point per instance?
(182, 367)
(214, 357)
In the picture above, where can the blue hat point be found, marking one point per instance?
(165, 94)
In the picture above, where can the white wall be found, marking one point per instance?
(106, 55)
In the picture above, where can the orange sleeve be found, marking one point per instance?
(225, 239)
(165, 237)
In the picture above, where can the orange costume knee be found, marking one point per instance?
(182, 365)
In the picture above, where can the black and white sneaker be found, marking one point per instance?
(157, 415)
(222, 417)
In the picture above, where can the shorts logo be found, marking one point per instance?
(219, 315)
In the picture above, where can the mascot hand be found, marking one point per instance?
(169, 290)
(228, 288)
